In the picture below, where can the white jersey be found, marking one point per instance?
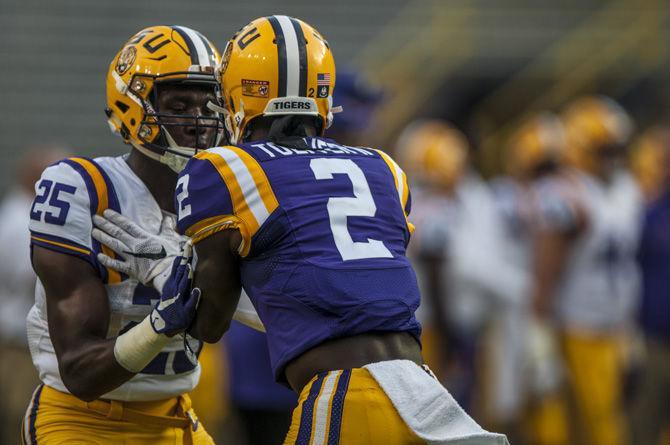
(514, 203)
(17, 279)
(67, 196)
(467, 229)
(599, 287)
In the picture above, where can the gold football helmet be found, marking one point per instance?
(275, 66)
(595, 128)
(433, 152)
(536, 145)
(155, 56)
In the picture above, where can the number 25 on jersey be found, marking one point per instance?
(55, 210)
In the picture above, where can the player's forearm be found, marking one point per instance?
(551, 250)
(91, 369)
(213, 318)
(111, 362)
(437, 294)
(218, 277)
(217, 306)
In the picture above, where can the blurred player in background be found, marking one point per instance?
(459, 243)
(532, 375)
(17, 289)
(586, 278)
(359, 100)
(326, 270)
(110, 373)
(651, 413)
(650, 158)
(434, 156)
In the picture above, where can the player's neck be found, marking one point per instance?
(159, 178)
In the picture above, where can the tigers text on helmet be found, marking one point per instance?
(155, 56)
(275, 66)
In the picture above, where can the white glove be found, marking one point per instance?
(145, 256)
(543, 357)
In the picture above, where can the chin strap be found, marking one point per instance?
(174, 161)
(226, 120)
(331, 111)
(233, 131)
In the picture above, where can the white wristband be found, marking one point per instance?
(137, 347)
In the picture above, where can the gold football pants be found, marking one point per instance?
(54, 417)
(347, 407)
(595, 368)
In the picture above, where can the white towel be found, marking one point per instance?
(427, 407)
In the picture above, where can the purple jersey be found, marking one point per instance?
(324, 233)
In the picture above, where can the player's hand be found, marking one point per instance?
(543, 357)
(176, 309)
(141, 255)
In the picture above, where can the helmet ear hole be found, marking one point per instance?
(121, 106)
(125, 134)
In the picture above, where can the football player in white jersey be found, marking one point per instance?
(434, 156)
(98, 339)
(586, 277)
(531, 374)
(458, 242)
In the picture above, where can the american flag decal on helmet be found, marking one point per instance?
(323, 79)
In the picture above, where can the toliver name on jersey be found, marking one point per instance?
(318, 146)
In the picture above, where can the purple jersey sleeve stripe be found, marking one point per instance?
(112, 197)
(90, 186)
(112, 203)
(93, 204)
(63, 245)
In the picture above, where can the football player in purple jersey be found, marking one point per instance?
(315, 232)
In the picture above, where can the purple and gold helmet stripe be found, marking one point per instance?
(291, 56)
(198, 47)
(302, 56)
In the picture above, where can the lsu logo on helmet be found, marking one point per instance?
(276, 65)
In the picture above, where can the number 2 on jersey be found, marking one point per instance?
(340, 208)
(183, 207)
